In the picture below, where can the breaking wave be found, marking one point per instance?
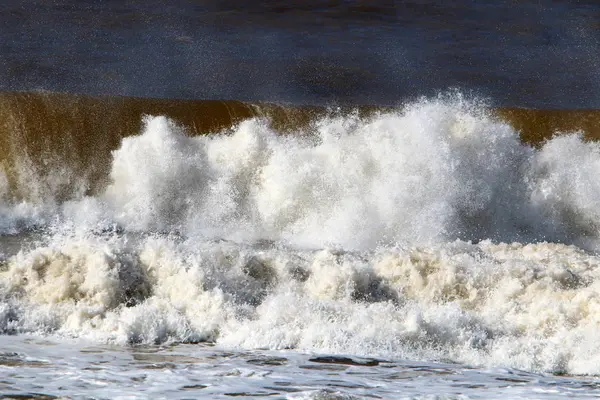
(441, 229)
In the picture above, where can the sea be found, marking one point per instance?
(314, 199)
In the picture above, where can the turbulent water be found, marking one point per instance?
(438, 247)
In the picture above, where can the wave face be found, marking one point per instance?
(429, 231)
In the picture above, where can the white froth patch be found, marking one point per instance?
(534, 307)
(526, 306)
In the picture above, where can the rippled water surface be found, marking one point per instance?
(44, 368)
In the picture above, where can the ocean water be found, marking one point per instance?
(316, 200)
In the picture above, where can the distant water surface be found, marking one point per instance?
(528, 53)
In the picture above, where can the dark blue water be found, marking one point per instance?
(525, 53)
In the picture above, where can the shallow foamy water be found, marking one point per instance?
(48, 368)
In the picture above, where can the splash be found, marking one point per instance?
(435, 171)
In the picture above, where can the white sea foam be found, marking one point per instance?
(414, 234)
(533, 307)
